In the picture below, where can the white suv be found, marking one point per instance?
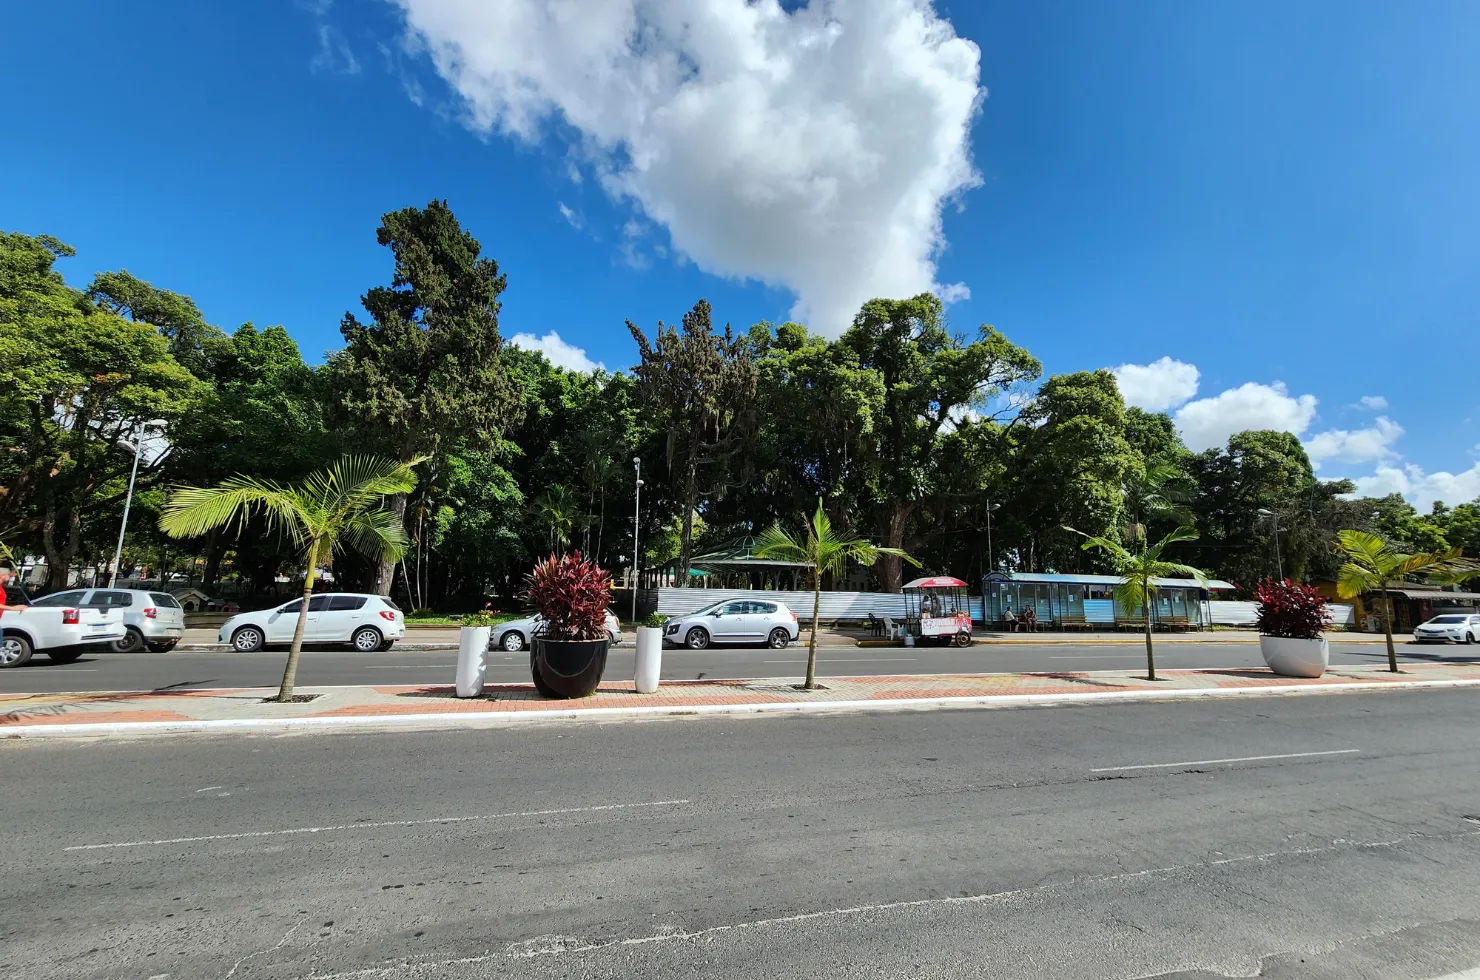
(151, 619)
(63, 633)
(365, 622)
(735, 621)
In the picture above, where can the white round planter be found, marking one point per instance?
(472, 659)
(649, 659)
(1295, 658)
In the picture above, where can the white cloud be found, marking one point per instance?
(810, 149)
(570, 216)
(1421, 488)
(557, 351)
(1208, 422)
(1157, 386)
(1356, 446)
(334, 54)
(954, 293)
(1375, 402)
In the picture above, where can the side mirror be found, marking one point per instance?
(716, 614)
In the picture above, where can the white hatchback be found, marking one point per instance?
(735, 621)
(364, 622)
(515, 635)
(1459, 627)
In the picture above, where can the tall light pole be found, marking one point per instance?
(1274, 522)
(991, 555)
(128, 500)
(636, 527)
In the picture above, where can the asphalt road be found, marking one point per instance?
(1157, 840)
(151, 671)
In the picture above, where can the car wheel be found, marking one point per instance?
(513, 641)
(697, 639)
(66, 655)
(247, 639)
(165, 647)
(611, 638)
(367, 639)
(15, 650)
(961, 640)
(1469, 638)
(132, 642)
(386, 645)
(780, 639)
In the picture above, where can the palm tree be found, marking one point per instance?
(1372, 566)
(1159, 492)
(341, 505)
(556, 509)
(825, 552)
(1138, 571)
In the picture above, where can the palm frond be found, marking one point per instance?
(376, 534)
(774, 542)
(1352, 580)
(1362, 546)
(353, 480)
(1130, 594)
(190, 512)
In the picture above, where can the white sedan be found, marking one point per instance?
(515, 635)
(365, 622)
(1459, 627)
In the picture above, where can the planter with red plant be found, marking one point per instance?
(568, 656)
(1292, 623)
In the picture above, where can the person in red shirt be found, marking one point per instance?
(14, 597)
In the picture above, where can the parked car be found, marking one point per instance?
(1459, 627)
(150, 619)
(364, 622)
(63, 633)
(735, 621)
(515, 635)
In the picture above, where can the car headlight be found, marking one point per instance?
(670, 628)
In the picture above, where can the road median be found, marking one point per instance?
(247, 709)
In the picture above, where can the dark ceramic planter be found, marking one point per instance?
(567, 668)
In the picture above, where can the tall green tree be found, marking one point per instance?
(1139, 567)
(426, 368)
(932, 379)
(1373, 566)
(176, 317)
(702, 386)
(825, 552)
(341, 506)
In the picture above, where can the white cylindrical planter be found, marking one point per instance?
(1295, 658)
(649, 659)
(472, 658)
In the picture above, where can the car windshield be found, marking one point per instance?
(1447, 620)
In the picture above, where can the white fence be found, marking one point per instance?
(858, 605)
(1229, 613)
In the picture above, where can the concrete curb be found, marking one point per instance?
(500, 718)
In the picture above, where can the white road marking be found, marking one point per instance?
(412, 666)
(1110, 656)
(209, 788)
(380, 823)
(1466, 975)
(1216, 762)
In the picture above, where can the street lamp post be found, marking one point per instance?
(1274, 522)
(991, 555)
(636, 528)
(128, 500)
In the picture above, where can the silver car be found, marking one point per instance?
(1459, 627)
(515, 635)
(151, 619)
(735, 621)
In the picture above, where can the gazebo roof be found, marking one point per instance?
(734, 555)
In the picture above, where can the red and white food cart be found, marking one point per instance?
(938, 610)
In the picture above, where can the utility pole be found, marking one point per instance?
(1274, 523)
(636, 527)
(991, 555)
(127, 501)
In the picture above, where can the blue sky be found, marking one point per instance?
(1268, 211)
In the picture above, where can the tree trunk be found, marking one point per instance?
(812, 646)
(891, 567)
(213, 561)
(386, 577)
(1387, 628)
(686, 539)
(290, 670)
(1150, 654)
(601, 527)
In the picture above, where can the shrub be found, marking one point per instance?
(572, 595)
(480, 618)
(653, 619)
(1293, 611)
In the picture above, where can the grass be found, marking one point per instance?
(440, 619)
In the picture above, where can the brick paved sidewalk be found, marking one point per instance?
(105, 713)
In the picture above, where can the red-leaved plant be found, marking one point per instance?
(572, 596)
(1286, 609)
